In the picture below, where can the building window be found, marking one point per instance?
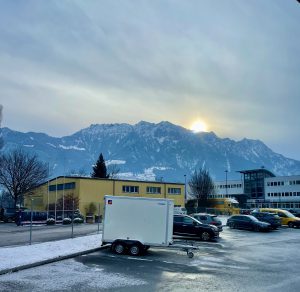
(174, 191)
(130, 189)
(60, 187)
(153, 190)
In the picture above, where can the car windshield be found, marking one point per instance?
(253, 218)
(289, 214)
(196, 220)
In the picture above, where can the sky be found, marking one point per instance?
(234, 65)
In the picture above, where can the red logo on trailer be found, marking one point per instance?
(109, 202)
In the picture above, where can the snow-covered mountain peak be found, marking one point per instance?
(170, 151)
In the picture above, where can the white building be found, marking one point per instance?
(283, 192)
(233, 188)
(257, 190)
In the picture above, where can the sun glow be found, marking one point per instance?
(199, 126)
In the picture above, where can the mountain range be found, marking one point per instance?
(149, 151)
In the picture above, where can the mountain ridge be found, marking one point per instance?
(150, 151)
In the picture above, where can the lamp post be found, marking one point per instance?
(48, 192)
(31, 217)
(185, 188)
(55, 210)
(226, 191)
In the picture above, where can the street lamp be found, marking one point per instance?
(226, 171)
(31, 217)
(185, 188)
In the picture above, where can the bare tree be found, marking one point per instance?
(113, 171)
(201, 186)
(66, 202)
(21, 172)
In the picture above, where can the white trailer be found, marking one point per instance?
(133, 224)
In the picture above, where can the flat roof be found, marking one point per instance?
(257, 170)
(113, 179)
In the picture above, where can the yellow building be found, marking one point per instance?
(92, 190)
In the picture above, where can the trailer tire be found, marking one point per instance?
(190, 254)
(118, 248)
(135, 249)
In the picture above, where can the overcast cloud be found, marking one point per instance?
(234, 64)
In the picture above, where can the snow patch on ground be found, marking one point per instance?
(109, 162)
(28, 146)
(147, 175)
(12, 257)
(71, 147)
(53, 277)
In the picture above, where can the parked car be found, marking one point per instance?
(247, 222)
(9, 215)
(286, 217)
(208, 219)
(246, 211)
(185, 225)
(295, 213)
(271, 218)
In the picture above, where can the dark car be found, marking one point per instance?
(9, 215)
(185, 225)
(246, 211)
(271, 218)
(209, 219)
(247, 222)
(295, 213)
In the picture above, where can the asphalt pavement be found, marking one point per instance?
(238, 261)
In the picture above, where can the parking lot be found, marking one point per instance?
(238, 261)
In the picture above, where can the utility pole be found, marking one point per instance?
(226, 171)
(185, 199)
(48, 192)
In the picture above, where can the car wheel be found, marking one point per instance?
(290, 224)
(205, 236)
(118, 248)
(134, 250)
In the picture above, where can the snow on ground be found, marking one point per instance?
(223, 219)
(67, 274)
(11, 257)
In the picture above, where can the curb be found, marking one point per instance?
(49, 261)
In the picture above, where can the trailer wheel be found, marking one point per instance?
(134, 249)
(118, 248)
(190, 254)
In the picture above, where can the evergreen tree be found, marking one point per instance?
(99, 169)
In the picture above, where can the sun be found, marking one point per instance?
(198, 126)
